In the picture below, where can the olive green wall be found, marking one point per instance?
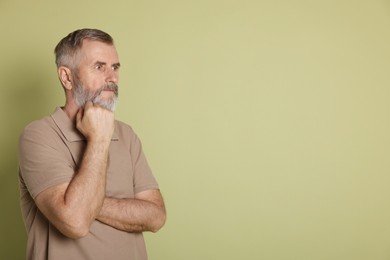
(266, 123)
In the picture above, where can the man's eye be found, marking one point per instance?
(99, 67)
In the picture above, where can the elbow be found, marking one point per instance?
(75, 230)
(159, 222)
(76, 233)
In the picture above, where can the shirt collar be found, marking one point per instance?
(69, 129)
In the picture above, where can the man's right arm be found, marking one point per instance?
(72, 207)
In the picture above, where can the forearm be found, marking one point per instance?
(132, 215)
(85, 193)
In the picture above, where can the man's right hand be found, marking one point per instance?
(95, 123)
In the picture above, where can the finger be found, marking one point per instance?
(88, 105)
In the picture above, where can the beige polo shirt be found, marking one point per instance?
(50, 151)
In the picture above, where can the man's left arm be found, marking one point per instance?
(146, 212)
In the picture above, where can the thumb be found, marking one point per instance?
(79, 116)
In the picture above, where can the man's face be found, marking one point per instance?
(97, 76)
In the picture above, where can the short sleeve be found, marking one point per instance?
(43, 159)
(143, 177)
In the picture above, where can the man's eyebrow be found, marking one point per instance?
(117, 65)
(100, 63)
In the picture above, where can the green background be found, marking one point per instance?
(266, 123)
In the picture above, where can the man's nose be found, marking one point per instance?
(112, 76)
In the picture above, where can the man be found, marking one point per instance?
(87, 191)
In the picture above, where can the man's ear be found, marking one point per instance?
(65, 76)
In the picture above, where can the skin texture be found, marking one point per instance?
(72, 207)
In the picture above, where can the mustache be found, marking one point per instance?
(109, 86)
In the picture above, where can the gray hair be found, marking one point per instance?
(67, 49)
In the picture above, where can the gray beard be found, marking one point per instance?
(82, 95)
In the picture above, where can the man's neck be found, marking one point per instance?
(71, 111)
